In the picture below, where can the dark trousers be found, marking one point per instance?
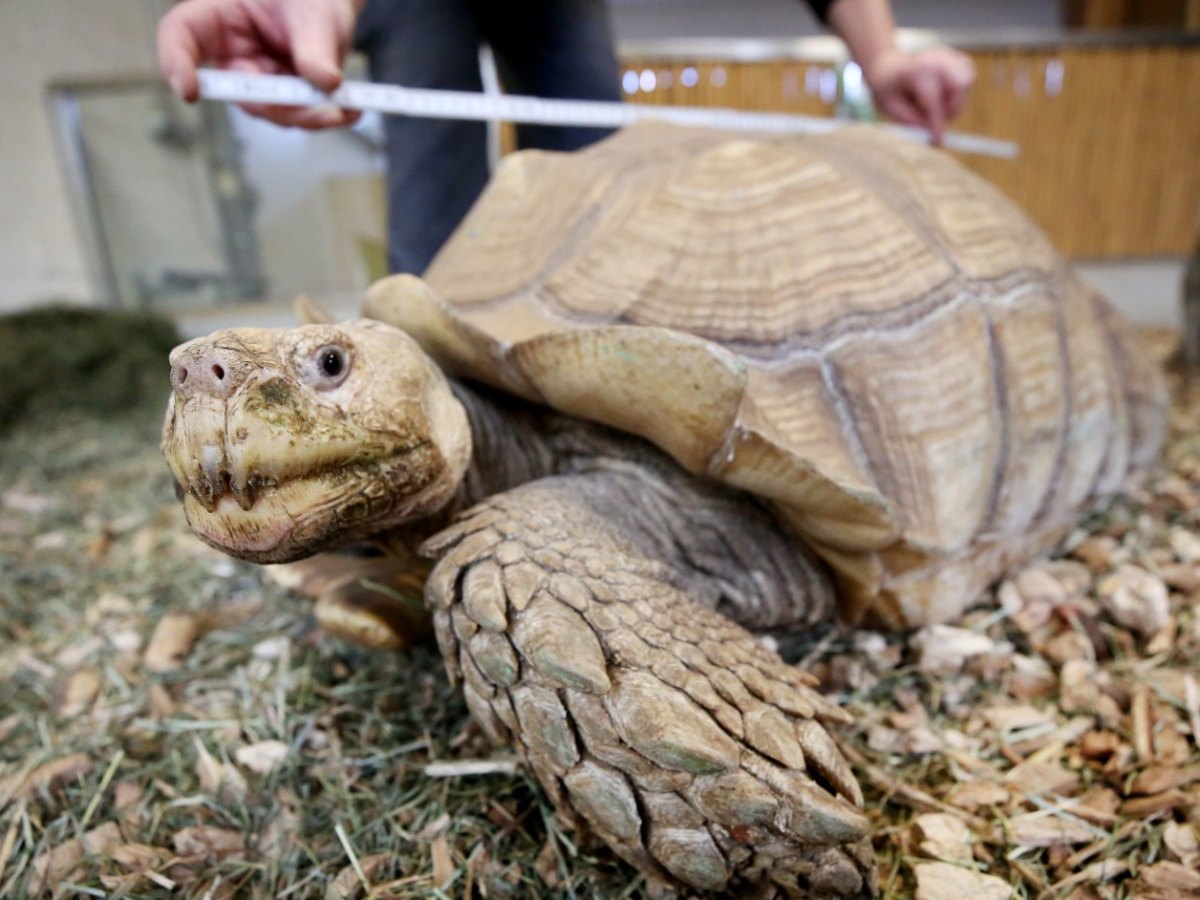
(436, 168)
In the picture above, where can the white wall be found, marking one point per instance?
(41, 256)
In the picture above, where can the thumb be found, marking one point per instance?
(319, 37)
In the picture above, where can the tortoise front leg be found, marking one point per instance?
(689, 747)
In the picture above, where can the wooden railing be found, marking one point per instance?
(1109, 134)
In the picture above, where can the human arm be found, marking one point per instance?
(302, 37)
(927, 89)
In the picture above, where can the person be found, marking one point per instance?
(548, 48)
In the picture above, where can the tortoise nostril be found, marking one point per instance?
(181, 375)
(218, 371)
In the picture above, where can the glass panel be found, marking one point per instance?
(195, 206)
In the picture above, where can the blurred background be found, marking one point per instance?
(115, 195)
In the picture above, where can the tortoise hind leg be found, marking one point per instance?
(689, 747)
(365, 594)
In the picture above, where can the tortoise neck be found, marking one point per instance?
(511, 443)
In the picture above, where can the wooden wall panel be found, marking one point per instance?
(1110, 159)
(1129, 13)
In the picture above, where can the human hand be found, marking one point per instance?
(926, 89)
(309, 38)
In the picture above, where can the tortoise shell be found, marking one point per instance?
(850, 325)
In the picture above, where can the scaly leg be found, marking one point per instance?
(688, 746)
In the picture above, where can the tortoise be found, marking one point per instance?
(652, 399)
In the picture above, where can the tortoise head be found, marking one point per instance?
(288, 441)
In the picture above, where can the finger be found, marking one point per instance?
(310, 118)
(954, 70)
(963, 80)
(319, 35)
(187, 36)
(896, 106)
(954, 96)
(927, 96)
(962, 70)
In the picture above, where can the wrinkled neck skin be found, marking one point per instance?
(512, 442)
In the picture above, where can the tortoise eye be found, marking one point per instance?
(327, 368)
(333, 362)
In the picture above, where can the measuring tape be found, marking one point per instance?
(288, 90)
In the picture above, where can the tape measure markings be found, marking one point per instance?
(288, 90)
